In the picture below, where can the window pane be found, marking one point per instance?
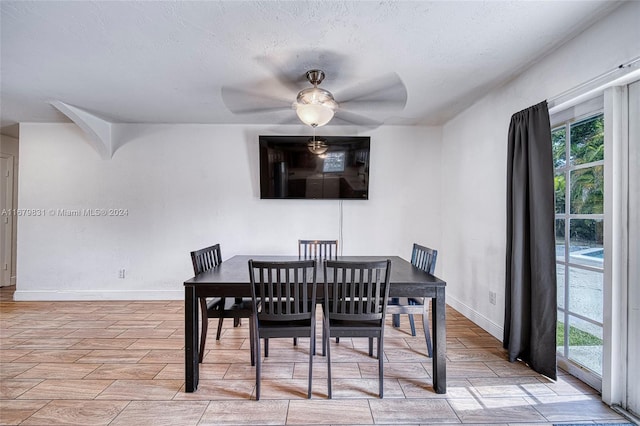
(560, 285)
(587, 190)
(559, 186)
(585, 293)
(586, 242)
(560, 243)
(558, 141)
(587, 140)
(560, 330)
(585, 344)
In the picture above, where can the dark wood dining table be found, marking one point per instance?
(231, 279)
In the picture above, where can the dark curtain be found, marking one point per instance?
(530, 303)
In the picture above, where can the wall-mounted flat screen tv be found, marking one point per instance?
(304, 167)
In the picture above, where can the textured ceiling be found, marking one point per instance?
(166, 62)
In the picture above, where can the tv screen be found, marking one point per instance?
(303, 167)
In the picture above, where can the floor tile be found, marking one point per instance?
(266, 412)
(393, 369)
(411, 411)
(58, 371)
(207, 371)
(102, 343)
(66, 389)
(168, 343)
(164, 356)
(141, 390)
(365, 388)
(161, 413)
(13, 412)
(469, 369)
(9, 370)
(219, 390)
(114, 356)
(56, 355)
(61, 412)
(126, 371)
(576, 410)
(333, 412)
(498, 410)
(13, 388)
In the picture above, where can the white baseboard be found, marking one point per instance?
(477, 318)
(34, 296)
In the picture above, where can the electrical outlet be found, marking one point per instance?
(121, 273)
(492, 297)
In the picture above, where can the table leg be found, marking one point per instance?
(438, 316)
(191, 371)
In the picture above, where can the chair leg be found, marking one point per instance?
(205, 326)
(311, 353)
(325, 339)
(412, 324)
(266, 348)
(381, 365)
(219, 332)
(258, 367)
(295, 341)
(395, 317)
(328, 346)
(370, 346)
(252, 343)
(237, 322)
(425, 324)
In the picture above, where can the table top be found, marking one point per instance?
(235, 270)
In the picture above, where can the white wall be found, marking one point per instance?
(474, 162)
(188, 186)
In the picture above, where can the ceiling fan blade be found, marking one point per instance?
(240, 101)
(387, 92)
(342, 117)
(294, 84)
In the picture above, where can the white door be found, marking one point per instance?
(6, 218)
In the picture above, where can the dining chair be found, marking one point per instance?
(217, 307)
(284, 300)
(423, 258)
(355, 302)
(319, 250)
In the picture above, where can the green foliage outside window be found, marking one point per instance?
(587, 184)
(577, 337)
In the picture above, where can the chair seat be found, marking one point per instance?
(274, 329)
(342, 328)
(232, 308)
(411, 301)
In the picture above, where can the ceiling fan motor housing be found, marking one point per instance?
(315, 77)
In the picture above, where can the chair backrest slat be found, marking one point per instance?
(206, 258)
(318, 249)
(283, 291)
(424, 258)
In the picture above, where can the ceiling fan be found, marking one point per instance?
(315, 106)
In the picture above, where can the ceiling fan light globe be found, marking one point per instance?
(317, 147)
(314, 115)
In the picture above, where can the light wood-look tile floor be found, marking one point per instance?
(122, 363)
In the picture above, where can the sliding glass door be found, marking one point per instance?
(578, 144)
